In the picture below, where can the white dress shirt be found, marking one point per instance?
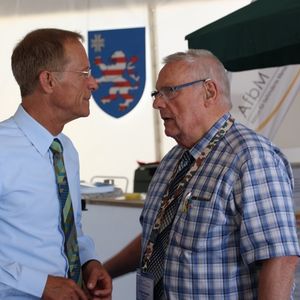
(31, 238)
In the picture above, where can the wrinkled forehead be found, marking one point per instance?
(174, 73)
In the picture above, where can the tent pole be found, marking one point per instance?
(154, 72)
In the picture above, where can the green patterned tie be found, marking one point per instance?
(67, 216)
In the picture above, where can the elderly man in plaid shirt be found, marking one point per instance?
(228, 230)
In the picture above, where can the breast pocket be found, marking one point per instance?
(201, 222)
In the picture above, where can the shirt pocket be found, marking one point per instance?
(201, 223)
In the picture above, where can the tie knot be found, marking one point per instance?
(187, 156)
(186, 160)
(56, 146)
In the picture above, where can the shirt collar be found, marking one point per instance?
(38, 135)
(204, 141)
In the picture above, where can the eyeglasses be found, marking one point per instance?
(86, 74)
(169, 92)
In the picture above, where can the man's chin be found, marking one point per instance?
(170, 133)
(86, 114)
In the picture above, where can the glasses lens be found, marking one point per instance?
(86, 74)
(89, 73)
(165, 92)
(168, 92)
(154, 94)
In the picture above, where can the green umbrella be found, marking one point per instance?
(265, 33)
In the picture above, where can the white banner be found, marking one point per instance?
(262, 97)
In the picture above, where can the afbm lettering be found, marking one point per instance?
(250, 98)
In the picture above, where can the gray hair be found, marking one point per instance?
(206, 65)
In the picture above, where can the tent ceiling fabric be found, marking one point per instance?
(265, 33)
(24, 7)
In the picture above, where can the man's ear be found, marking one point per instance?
(47, 81)
(210, 90)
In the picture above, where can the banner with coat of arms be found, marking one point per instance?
(117, 59)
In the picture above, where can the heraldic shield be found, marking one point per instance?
(117, 59)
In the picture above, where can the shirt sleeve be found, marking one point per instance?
(268, 221)
(86, 245)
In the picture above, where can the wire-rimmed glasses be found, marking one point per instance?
(86, 73)
(169, 92)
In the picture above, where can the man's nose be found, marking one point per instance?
(159, 102)
(93, 85)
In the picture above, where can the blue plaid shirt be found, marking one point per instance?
(236, 210)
